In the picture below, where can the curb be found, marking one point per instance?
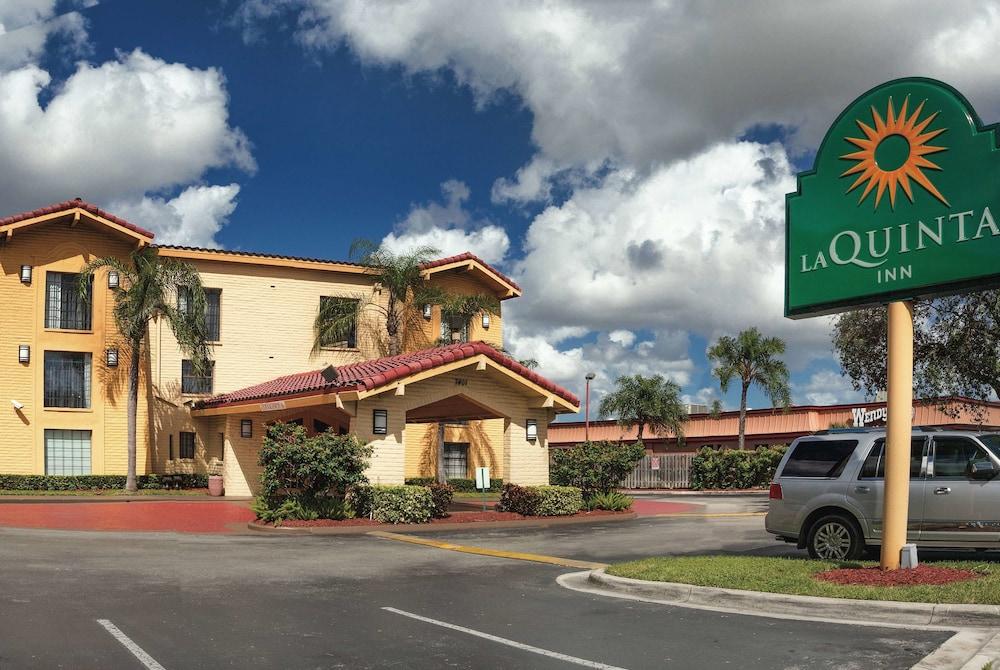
(436, 527)
(810, 607)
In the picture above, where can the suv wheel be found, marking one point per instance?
(835, 537)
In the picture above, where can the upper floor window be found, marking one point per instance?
(65, 308)
(454, 328)
(213, 311)
(337, 324)
(67, 379)
(196, 381)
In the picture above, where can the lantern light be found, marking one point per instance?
(25, 274)
(486, 319)
(380, 421)
(113, 279)
(111, 356)
(23, 353)
(427, 311)
(532, 430)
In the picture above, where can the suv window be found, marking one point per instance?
(874, 467)
(953, 456)
(819, 458)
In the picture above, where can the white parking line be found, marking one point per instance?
(510, 643)
(127, 642)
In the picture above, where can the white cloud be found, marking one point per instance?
(27, 25)
(450, 228)
(192, 218)
(626, 338)
(825, 387)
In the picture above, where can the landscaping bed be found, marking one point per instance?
(980, 582)
(458, 517)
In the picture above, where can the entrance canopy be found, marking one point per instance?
(358, 381)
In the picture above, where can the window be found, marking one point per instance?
(380, 422)
(213, 311)
(246, 428)
(195, 381)
(67, 379)
(953, 457)
(65, 308)
(874, 467)
(67, 452)
(454, 328)
(819, 458)
(170, 442)
(456, 460)
(338, 322)
(187, 445)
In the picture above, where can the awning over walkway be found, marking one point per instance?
(357, 381)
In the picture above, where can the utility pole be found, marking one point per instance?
(586, 411)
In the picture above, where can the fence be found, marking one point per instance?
(665, 471)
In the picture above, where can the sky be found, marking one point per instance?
(625, 162)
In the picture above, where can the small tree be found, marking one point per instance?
(752, 359)
(595, 467)
(646, 401)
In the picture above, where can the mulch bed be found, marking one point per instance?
(455, 517)
(922, 575)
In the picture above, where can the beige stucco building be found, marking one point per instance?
(67, 393)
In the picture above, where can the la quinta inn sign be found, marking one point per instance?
(903, 203)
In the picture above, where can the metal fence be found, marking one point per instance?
(663, 471)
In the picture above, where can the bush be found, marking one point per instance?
(595, 467)
(441, 495)
(734, 469)
(308, 475)
(458, 484)
(295, 508)
(393, 504)
(94, 482)
(614, 501)
(540, 500)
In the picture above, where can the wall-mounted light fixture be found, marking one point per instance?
(531, 430)
(25, 274)
(246, 428)
(380, 421)
(427, 311)
(113, 279)
(17, 405)
(23, 353)
(111, 356)
(486, 319)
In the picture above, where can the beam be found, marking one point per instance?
(481, 365)
(401, 389)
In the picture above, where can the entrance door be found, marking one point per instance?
(456, 460)
(869, 491)
(958, 508)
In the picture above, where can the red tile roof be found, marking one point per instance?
(372, 374)
(469, 256)
(251, 254)
(67, 205)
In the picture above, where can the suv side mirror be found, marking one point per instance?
(982, 470)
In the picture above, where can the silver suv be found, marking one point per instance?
(827, 492)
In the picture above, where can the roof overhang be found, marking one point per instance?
(499, 284)
(248, 258)
(74, 215)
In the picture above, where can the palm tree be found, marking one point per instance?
(751, 358)
(147, 290)
(646, 401)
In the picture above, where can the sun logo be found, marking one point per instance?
(893, 153)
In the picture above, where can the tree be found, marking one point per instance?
(956, 349)
(751, 358)
(646, 401)
(148, 287)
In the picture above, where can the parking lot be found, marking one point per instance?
(191, 601)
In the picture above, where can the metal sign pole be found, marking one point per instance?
(899, 422)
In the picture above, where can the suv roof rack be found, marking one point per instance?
(838, 431)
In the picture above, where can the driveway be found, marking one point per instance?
(144, 516)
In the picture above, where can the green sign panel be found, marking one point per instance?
(903, 202)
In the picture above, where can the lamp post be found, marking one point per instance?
(586, 411)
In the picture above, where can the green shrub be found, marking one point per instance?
(393, 504)
(442, 495)
(94, 482)
(595, 467)
(461, 485)
(308, 475)
(295, 508)
(558, 500)
(734, 469)
(614, 501)
(518, 499)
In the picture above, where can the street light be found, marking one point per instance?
(586, 411)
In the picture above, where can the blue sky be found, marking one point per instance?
(625, 162)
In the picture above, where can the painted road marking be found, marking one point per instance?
(482, 551)
(127, 642)
(510, 643)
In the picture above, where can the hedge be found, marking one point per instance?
(540, 500)
(393, 504)
(461, 485)
(96, 482)
(734, 469)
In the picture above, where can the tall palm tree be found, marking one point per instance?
(751, 358)
(147, 290)
(646, 401)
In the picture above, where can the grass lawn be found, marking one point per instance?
(465, 495)
(106, 492)
(795, 576)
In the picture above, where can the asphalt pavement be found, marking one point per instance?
(184, 601)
